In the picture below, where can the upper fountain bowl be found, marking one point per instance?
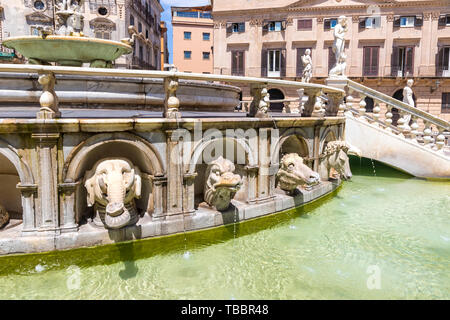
(68, 50)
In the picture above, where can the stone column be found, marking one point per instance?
(159, 186)
(264, 164)
(316, 148)
(252, 177)
(174, 176)
(67, 200)
(189, 193)
(46, 147)
(28, 192)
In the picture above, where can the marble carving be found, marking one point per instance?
(112, 185)
(334, 161)
(294, 173)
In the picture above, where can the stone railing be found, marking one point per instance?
(408, 129)
(314, 107)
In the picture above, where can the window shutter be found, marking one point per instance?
(442, 20)
(234, 62)
(265, 27)
(229, 27)
(242, 27)
(326, 24)
(283, 62)
(366, 61)
(394, 61)
(300, 53)
(300, 24)
(331, 59)
(242, 63)
(283, 25)
(362, 23)
(375, 60)
(440, 61)
(396, 22)
(308, 24)
(264, 63)
(409, 66)
(418, 22)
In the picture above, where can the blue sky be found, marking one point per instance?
(166, 16)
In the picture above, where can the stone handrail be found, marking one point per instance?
(259, 87)
(376, 95)
(407, 126)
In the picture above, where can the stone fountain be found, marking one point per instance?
(67, 45)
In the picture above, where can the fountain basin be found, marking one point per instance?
(68, 50)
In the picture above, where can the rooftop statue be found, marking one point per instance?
(339, 47)
(307, 66)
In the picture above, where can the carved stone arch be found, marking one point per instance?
(38, 18)
(327, 135)
(23, 170)
(106, 145)
(200, 147)
(298, 132)
(101, 23)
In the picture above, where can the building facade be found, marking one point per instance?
(387, 42)
(193, 39)
(107, 19)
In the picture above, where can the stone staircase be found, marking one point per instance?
(418, 148)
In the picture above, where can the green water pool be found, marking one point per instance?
(384, 235)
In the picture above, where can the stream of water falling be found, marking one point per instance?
(393, 222)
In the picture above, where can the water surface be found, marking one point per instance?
(388, 223)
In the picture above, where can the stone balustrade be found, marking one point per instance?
(431, 136)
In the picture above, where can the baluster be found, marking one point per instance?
(362, 106)
(440, 140)
(403, 125)
(376, 113)
(414, 129)
(349, 103)
(388, 120)
(427, 138)
(171, 103)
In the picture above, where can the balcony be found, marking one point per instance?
(370, 71)
(140, 64)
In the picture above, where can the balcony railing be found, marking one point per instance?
(397, 71)
(371, 71)
(137, 63)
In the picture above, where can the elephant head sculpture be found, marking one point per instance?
(221, 183)
(293, 173)
(334, 161)
(112, 185)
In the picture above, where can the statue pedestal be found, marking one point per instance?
(339, 82)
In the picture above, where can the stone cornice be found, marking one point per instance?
(326, 9)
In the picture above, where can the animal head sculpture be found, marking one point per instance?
(221, 183)
(4, 216)
(335, 162)
(112, 185)
(293, 173)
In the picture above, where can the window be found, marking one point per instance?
(205, 15)
(445, 102)
(402, 61)
(131, 20)
(206, 36)
(206, 55)
(103, 34)
(444, 20)
(146, 33)
(187, 35)
(237, 63)
(274, 63)
(300, 67)
(274, 26)
(102, 11)
(372, 22)
(370, 61)
(407, 21)
(188, 14)
(139, 27)
(235, 27)
(329, 23)
(187, 54)
(39, 5)
(34, 31)
(304, 24)
(443, 62)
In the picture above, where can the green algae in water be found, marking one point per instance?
(323, 251)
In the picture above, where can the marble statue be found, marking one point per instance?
(4, 216)
(264, 103)
(339, 46)
(69, 17)
(294, 173)
(408, 98)
(334, 161)
(221, 183)
(112, 185)
(307, 66)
